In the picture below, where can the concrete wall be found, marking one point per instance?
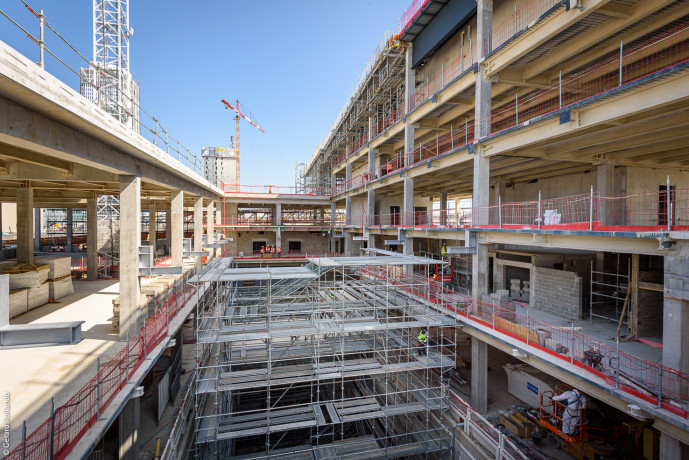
(553, 187)
(557, 292)
(449, 52)
(310, 241)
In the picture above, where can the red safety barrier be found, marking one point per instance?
(58, 435)
(650, 381)
(665, 49)
(516, 22)
(274, 190)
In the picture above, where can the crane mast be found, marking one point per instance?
(237, 118)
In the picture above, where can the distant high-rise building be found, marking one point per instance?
(108, 83)
(219, 165)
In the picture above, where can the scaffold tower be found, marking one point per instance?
(322, 361)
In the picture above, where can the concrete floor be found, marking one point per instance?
(602, 331)
(33, 375)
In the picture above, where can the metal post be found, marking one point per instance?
(52, 428)
(144, 338)
(515, 18)
(591, 210)
(527, 325)
(571, 350)
(97, 388)
(560, 88)
(621, 59)
(466, 131)
(167, 318)
(617, 366)
(436, 144)
(427, 94)
(500, 210)
(669, 203)
(442, 75)
(540, 219)
(471, 54)
(660, 385)
(516, 108)
(452, 139)
(492, 309)
(127, 378)
(24, 440)
(41, 42)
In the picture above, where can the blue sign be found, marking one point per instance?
(532, 387)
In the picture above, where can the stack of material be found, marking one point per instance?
(27, 276)
(59, 276)
(116, 311)
(18, 302)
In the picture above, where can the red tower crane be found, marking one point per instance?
(238, 114)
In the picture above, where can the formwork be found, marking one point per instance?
(322, 361)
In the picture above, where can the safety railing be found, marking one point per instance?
(284, 254)
(435, 218)
(524, 16)
(655, 54)
(113, 98)
(274, 190)
(481, 430)
(68, 423)
(647, 380)
(410, 14)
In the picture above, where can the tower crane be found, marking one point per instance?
(239, 114)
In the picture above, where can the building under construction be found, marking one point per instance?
(486, 257)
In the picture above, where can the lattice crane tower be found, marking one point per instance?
(108, 82)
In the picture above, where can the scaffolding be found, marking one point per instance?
(322, 361)
(608, 291)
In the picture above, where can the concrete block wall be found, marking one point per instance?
(557, 292)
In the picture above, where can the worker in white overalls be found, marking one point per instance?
(576, 402)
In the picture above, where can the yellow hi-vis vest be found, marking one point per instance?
(443, 251)
(422, 337)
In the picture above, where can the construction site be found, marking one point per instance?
(486, 257)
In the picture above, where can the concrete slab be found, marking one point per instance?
(32, 376)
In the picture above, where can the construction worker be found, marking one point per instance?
(423, 340)
(263, 250)
(272, 249)
(279, 250)
(443, 250)
(571, 417)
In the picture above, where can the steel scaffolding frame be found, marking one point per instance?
(321, 361)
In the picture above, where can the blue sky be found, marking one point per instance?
(293, 64)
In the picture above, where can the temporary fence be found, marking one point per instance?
(274, 189)
(644, 211)
(647, 380)
(661, 51)
(58, 435)
(108, 91)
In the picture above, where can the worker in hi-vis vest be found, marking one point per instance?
(443, 250)
(423, 340)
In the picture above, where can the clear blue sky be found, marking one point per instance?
(293, 64)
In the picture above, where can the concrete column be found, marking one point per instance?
(128, 420)
(333, 181)
(676, 308)
(348, 172)
(210, 226)
(92, 239)
(410, 88)
(333, 214)
(480, 198)
(348, 211)
(130, 236)
(479, 375)
(371, 217)
(152, 224)
(348, 245)
(408, 202)
(198, 232)
(176, 227)
(372, 162)
(218, 223)
(498, 191)
(25, 216)
(443, 206)
(168, 229)
(278, 238)
(37, 230)
(277, 216)
(605, 186)
(671, 448)
(484, 12)
(70, 231)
